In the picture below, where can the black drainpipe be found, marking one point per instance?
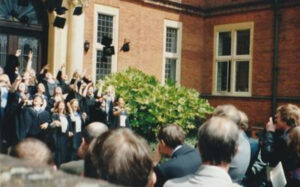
(275, 60)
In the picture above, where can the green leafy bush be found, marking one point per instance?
(151, 104)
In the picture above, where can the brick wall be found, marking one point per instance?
(259, 107)
(289, 56)
(143, 25)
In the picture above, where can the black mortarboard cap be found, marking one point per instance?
(103, 59)
(77, 11)
(109, 50)
(61, 10)
(59, 22)
(23, 2)
(106, 41)
(125, 47)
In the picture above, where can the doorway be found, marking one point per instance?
(26, 28)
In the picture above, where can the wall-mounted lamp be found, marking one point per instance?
(86, 46)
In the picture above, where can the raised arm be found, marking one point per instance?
(71, 111)
(29, 61)
(100, 88)
(59, 73)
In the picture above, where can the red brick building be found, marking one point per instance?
(226, 49)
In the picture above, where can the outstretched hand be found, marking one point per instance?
(30, 54)
(18, 52)
(270, 126)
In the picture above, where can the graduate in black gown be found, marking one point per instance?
(17, 98)
(120, 113)
(56, 97)
(62, 80)
(88, 101)
(61, 123)
(78, 123)
(98, 113)
(36, 121)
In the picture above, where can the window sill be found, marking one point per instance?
(227, 94)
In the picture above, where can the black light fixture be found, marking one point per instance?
(86, 46)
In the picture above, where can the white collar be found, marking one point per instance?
(176, 148)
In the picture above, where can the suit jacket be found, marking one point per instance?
(184, 161)
(206, 176)
(241, 160)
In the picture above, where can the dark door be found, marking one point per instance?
(26, 28)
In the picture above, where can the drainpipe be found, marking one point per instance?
(275, 60)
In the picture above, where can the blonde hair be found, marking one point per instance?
(55, 108)
(290, 114)
(244, 121)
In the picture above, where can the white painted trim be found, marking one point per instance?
(177, 25)
(233, 57)
(102, 9)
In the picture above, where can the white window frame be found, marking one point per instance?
(177, 25)
(111, 11)
(233, 28)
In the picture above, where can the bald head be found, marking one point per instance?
(93, 130)
(228, 111)
(33, 150)
(218, 140)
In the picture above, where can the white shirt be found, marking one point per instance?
(64, 123)
(77, 120)
(4, 96)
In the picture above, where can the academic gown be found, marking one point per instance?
(29, 124)
(61, 83)
(117, 119)
(61, 142)
(88, 105)
(98, 114)
(76, 137)
(12, 110)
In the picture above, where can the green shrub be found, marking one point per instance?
(151, 104)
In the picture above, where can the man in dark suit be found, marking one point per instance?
(183, 160)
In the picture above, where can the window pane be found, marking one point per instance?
(3, 49)
(171, 40)
(223, 76)
(10, 10)
(170, 69)
(242, 76)
(243, 42)
(103, 66)
(105, 26)
(224, 47)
